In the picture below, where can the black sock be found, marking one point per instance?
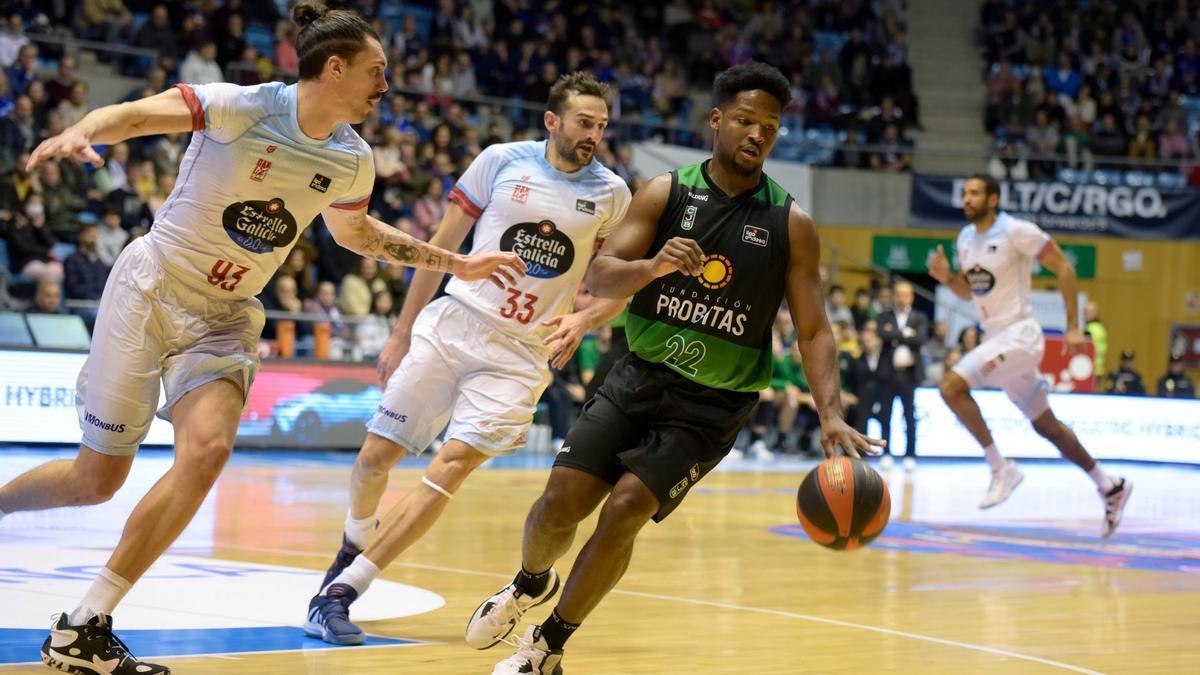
(556, 631)
(530, 583)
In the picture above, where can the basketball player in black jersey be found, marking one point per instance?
(708, 252)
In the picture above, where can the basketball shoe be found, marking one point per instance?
(342, 560)
(92, 649)
(498, 615)
(533, 657)
(329, 616)
(1114, 505)
(1004, 482)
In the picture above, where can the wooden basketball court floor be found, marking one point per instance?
(727, 584)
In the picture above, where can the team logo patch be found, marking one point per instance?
(259, 173)
(694, 473)
(679, 488)
(320, 183)
(520, 194)
(689, 218)
(260, 226)
(544, 248)
(755, 235)
(718, 272)
(272, 148)
(981, 280)
(584, 206)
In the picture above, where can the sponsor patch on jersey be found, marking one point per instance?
(584, 206)
(544, 248)
(320, 183)
(717, 273)
(520, 194)
(259, 173)
(679, 488)
(755, 235)
(982, 281)
(991, 248)
(689, 218)
(260, 226)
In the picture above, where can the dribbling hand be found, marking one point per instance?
(836, 432)
(69, 143)
(678, 255)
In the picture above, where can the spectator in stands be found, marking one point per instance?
(861, 310)
(869, 379)
(24, 71)
(18, 130)
(1077, 144)
(1173, 110)
(1063, 79)
(12, 38)
(1109, 141)
(31, 243)
(1095, 329)
(298, 267)
(75, 107)
(934, 353)
(887, 114)
(835, 305)
(1125, 381)
(430, 206)
(108, 20)
(6, 97)
(968, 339)
(324, 303)
(168, 152)
(85, 272)
(111, 238)
(826, 104)
(1141, 144)
(47, 299)
(1173, 145)
(200, 66)
(157, 35)
(62, 204)
(286, 60)
(359, 287)
(1176, 383)
(112, 175)
(1008, 163)
(41, 108)
(373, 330)
(280, 296)
(231, 41)
(904, 330)
(894, 153)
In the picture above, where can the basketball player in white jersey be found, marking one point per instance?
(995, 261)
(477, 358)
(179, 304)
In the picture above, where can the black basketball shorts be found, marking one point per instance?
(655, 423)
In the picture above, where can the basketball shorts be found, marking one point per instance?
(150, 326)
(655, 423)
(1009, 360)
(462, 372)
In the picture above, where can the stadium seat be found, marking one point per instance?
(58, 331)
(1172, 181)
(13, 331)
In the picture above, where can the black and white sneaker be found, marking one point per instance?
(92, 649)
(329, 616)
(533, 657)
(344, 557)
(497, 616)
(1114, 505)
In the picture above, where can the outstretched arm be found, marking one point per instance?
(162, 113)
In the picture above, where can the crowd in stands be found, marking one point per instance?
(1091, 85)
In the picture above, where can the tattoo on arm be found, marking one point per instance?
(434, 261)
(404, 254)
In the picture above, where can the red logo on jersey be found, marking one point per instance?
(260, 170)
(526, 178)
(270, 149)
(520, 193)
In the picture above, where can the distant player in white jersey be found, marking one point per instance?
(477, 358)
(263, 162)
(995, 264)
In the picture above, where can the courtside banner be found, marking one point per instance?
(293, 404)
(1114, 210)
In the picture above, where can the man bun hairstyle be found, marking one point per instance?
(580, 83)
(327, 32)
(748, 77)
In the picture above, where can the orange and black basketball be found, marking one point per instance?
(843, 504)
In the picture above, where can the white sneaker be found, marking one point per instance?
(910, 464)
(498, 615)
(533, 657)
(1114, 505)
(1004, 482)
(759, 450)
(736, 455)
(886, 462)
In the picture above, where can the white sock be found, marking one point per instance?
(994, 458)
(358, 575)
(359, 530)
(1103, 480)
(102, 598)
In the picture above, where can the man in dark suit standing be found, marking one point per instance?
(869, 379)
(904, 329)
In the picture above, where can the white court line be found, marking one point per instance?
(742, 608)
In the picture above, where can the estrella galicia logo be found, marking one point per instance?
(259, 226)
(981, 280)
(544, 248)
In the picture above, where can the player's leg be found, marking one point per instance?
(956, 392)
(91, 478)
(906, 389)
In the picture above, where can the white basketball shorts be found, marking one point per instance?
(152, 326)
(1009, 360)
(461, 371)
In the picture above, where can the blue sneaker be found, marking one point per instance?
(329, 616)
(344, 557)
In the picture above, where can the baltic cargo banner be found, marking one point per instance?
(1115, 210)
(292, 404)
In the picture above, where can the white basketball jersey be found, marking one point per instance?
(248, 184)
(999, 266)
(552, 219)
